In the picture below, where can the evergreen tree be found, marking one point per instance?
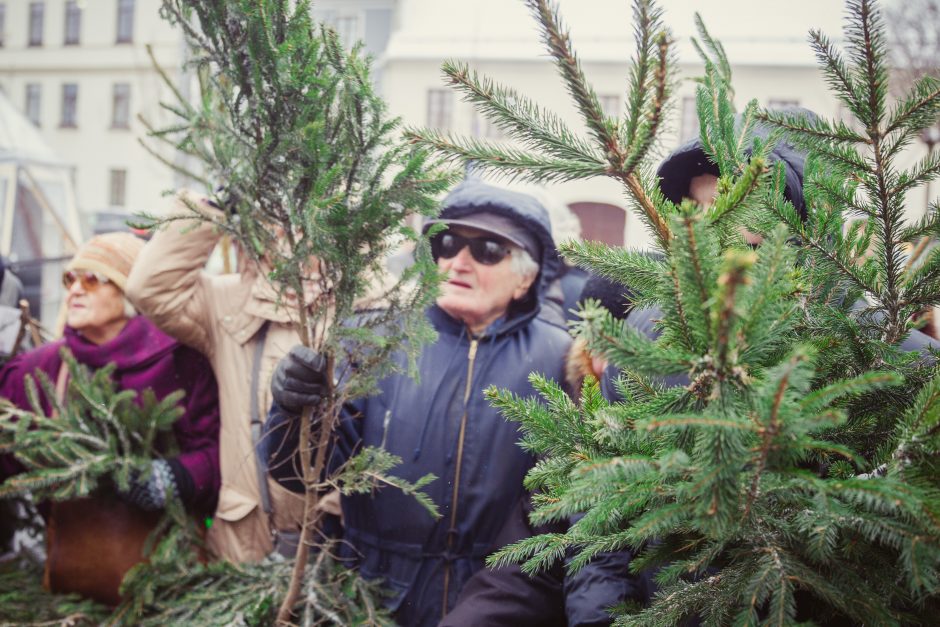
(795, 477)
(319, 186)
(95, 434)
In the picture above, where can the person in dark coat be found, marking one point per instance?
(102, 328)
(497, 252)
(685, 173)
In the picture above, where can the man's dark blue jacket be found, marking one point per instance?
(444, 425)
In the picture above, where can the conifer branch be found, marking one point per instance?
(737, 264)
(508, 161)
(646, 22)
(518, 116)
(835, 71)
(557, 40)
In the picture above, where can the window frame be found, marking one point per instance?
(69, 111)
(3, 24)
(72, 35)
(611, 105)
(125, 18)
(689, 113)
(125, 100)
(440, 108)
(33, 89)
(37, 23)
(117, 187)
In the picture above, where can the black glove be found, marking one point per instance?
(150, 491)
(299, 380)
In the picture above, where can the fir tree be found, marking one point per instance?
(795, 477)
(289, 123)
(95, 434)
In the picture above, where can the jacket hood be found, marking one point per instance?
(474, 196)
(690, 159)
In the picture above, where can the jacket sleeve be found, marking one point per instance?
(603, 583)
(167, 283)
(279, 446)
(13, 388)
(197, 431)
(506, 596)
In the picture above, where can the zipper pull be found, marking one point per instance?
(388, 418)
(473, 349)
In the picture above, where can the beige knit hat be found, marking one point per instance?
(111, 254)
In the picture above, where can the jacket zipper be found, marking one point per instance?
(451, 532)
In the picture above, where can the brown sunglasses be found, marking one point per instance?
(89, 280)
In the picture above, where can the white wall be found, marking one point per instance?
(408, 80)
(93, 147)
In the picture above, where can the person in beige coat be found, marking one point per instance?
(232, 319)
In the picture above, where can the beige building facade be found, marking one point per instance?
(80, 70)
(499, 39)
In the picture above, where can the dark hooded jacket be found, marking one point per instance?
(689, 160)
(444, 425)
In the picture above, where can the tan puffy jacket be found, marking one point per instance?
(220, 316)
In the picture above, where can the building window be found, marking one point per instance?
(33, 93)
(69, 105)
(118, 188)
(690, 124)
(73, 23)
(36, 11)
(347, 27)
(121, 106)
(610, 105)
(3, 24)
(440, 108)
(125, 21)
(345, 23)
(486, 128)
(782, 103)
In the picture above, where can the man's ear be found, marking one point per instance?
(524, 284)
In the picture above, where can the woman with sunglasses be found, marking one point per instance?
(102, 328)
(498, 256)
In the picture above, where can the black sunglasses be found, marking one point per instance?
(485, 250)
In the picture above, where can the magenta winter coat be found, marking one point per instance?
(145, 358)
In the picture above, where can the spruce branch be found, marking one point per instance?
(98, 434)
(618, 148)
(517, 116)
(511, 162)
(289, 122)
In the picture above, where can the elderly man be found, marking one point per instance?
(498, 254)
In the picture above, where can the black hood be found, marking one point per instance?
(474, 196)
(690, 159)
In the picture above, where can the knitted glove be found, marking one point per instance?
(149, 492)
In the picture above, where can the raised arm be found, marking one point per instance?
(167, 283)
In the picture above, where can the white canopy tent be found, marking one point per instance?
(39, 222)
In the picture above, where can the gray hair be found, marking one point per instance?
(522, 262)
(129, 310)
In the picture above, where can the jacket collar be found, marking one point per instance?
(514, 319)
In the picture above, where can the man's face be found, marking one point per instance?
(702, 190)
(476, 293)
